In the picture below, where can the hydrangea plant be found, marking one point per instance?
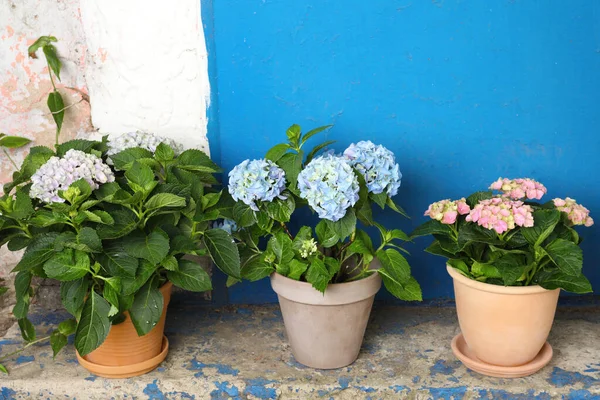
(502, 237)
(112, 234)
(341, 190)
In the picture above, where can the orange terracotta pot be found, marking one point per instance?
(503, 325)
(125, 354)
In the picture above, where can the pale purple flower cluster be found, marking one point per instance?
(329, 185)
(59, 173)
(256, 180)
(501, 214)
(578, 214)
(148, 141)
(519, 188)
(377, 164)
(446, 211)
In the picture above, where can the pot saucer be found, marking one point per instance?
(468, 358)
(125, 371)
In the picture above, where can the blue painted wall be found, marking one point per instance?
(462, 91)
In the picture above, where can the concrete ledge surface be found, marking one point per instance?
(241, 353)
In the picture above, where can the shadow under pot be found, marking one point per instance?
(124, 354)
(504, 328)
(326, 331)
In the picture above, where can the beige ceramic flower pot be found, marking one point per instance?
(326, 331)
(503, 325)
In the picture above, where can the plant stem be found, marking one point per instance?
(4, 357)
(50, 75)
(346, 245)
(10, 158)
(454, 231)
(285, 228)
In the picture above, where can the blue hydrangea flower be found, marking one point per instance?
(256, 180)
(329, 185)
(59, 173)
(377, 164)
(228, 225)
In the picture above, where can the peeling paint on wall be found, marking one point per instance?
(24, 82)
(24, 88)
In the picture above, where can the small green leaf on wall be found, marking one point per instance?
(13, 142)
(40, 42)
(52, 58)
(57, 108)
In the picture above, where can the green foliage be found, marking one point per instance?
(13, 142)
(190, 276)
(334, 252)
(113, 247)
(93, 325)
(546, 254)
(147, 308)
(55, 101)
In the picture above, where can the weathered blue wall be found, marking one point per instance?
(462, 91)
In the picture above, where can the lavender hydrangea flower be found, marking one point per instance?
(148, 141)
(59, 173)
(227, 225)
(256, 180)
(377, 164)
(329, 185)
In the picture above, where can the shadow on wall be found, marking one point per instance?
(462, 92)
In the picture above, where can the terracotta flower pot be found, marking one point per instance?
(325, 331)
(504, 326)
(125, 354)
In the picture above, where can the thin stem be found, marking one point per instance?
(360, 276)
(347, 244)
(285, 228)
(66, 108)
(10, 158)
(4, 357)
(50, 74)
(454, 231)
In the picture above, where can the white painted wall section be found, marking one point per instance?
(147, 68)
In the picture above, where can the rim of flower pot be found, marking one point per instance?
(335, 294)
(487, 287)
(126, 371)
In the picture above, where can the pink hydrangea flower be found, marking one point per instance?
(578, 214)
(519, 188)
(446, 211)
(501, 214)
(462, 206)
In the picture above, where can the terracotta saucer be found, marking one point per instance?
(468, 358)
(126, 371)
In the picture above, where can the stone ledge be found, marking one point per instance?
(241, 352)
